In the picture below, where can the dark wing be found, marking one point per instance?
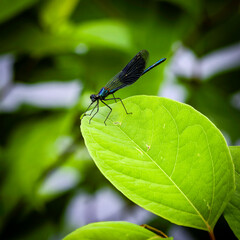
(130, 74)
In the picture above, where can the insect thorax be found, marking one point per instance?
(103, 92)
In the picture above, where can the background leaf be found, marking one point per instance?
(166, 157)
(55, 14)
(232, 211)
(26, 163)
(9, 10)
(212, 102)
(112, 230)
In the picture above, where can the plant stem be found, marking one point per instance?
(211, 234)
(155, 230)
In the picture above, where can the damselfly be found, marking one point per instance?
(130, 74)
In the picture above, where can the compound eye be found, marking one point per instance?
(93, 97)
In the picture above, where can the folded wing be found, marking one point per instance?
(130, 73)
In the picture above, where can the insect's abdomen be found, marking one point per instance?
(103, 92)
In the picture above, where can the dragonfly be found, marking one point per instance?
(129, 75)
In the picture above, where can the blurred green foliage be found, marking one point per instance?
(91, 41)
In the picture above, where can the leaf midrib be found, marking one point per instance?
(188, 200)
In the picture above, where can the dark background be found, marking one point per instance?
(54, 54)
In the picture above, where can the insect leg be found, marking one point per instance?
(109, 112)
(97, 105)
(84, 114)
(92, 110)
(114, 97)
(121, 102)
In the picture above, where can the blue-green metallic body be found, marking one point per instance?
(103, 93)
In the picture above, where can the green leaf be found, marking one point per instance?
(213, 36)
(194, 8)
(32, 149)
(232, 211)
(67, 38)
(109, 33)
(166, 157)
(10, 8)
(54, 14)
(215, 104)
(112, 230)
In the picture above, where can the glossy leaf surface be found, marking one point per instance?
(232, 211)
(112, 230)
(166, 157)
